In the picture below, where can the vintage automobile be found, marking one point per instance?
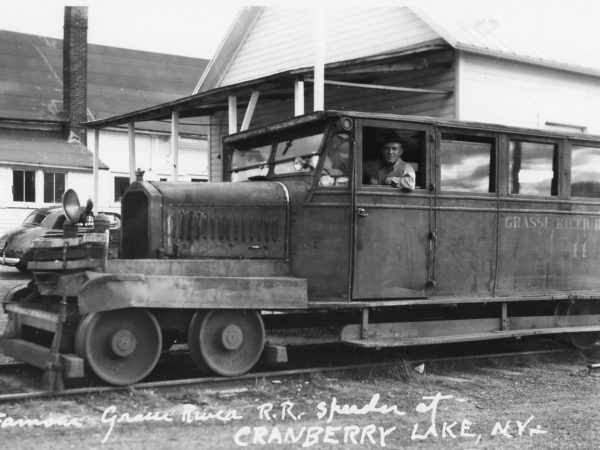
(15, 245)
(500, 238)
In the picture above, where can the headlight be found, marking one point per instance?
(71, 205)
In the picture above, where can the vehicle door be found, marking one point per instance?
(466, 213)
(392, 245)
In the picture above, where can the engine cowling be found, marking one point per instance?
(205, 220)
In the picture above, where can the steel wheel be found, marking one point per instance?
(228, 342)
(122, 346)
(80, 335)
(587, 339)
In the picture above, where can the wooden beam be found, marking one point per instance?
(175, 144)
(250, 110)
(298, 97)
(382, 87)
(96, 168)
(232, 106)
(131, 135)
(388, 68)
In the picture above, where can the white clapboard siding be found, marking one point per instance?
(284, 38)
(497, 91)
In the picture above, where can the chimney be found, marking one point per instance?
(75, 71)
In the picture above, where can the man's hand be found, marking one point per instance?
(393, 181)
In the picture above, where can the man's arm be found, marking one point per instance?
(405, 181)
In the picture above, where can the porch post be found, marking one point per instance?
(175, 143)
(298, 97)
(232, 103)
(131, 135)
(96, 166)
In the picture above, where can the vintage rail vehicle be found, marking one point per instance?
(500, 238)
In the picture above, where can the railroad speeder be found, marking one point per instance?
(500, 238)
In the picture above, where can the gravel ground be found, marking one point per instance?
(519, 403)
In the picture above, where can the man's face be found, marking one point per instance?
(391, 152)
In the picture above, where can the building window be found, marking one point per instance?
(54, 186)
(467, 165)
(198, 180)
(23, 186)
(585, 171)
(533, 168)
(121, 183)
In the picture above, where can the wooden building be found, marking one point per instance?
(496, 62)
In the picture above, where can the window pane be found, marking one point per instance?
(585, 171)
(466, 166)
(23, 186)
(34, 218)
(121, 183)
(250, 157)
(18, 186)
(532, 168)
(48, 187)
(59, 186)
(298, 147)
(54, 186)
(291, 148)
(336, 167)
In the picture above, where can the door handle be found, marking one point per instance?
(362, 212)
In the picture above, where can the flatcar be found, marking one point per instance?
(500, 238)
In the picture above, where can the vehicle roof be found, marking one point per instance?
(47, 209)
(324, 115)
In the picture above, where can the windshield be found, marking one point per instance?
(35, 218)
(275, 155)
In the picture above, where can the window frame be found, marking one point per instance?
(568, 157)
(464, 133)
(324, 152)
(24, 200)
(560, 165)
(359, 153)
(53, 173)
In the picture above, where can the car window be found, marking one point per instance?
(35, 218)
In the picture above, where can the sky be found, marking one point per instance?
(183, 27)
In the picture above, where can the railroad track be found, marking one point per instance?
(247, 379)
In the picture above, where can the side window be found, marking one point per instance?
(337, 166)
(585, 171)
(23, 186)
(533, 168)
(378, 167)
(467, 164)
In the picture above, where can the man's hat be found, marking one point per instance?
(392, 136)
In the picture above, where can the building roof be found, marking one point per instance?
(43, 149)
(562, 34)
(268, 40)
(119, 80)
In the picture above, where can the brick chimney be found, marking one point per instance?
(75, 71)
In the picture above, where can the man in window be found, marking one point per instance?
(391, 169)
